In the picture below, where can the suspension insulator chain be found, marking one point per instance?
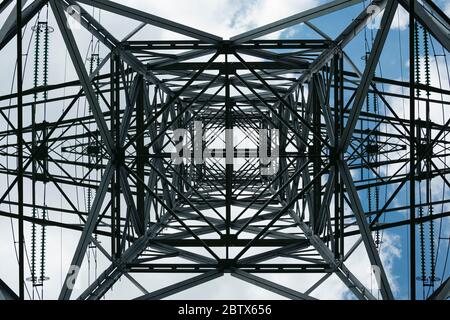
(40, 73)
(37, 40)
(46, 50)
(422, 247)
(377, 207)
(33, 249)
(89, 199)
(432, 252)
(43, 246)
(417, 56)
(375, 102)
(430, 209)
(427, 60)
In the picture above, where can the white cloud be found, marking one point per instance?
(401, 19)
(228, 18)
(223, 18)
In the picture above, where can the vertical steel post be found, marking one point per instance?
(20, 151)
(314, 153)
(118, 152)
(341, 129)
(337, 133)
(114, 126)
(229, 151)
(141, 153)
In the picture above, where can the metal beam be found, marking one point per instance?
(436, 22)
(271, 286)
(9, 32)
(82, 74)
(369, 73)
(6, 293)
(85, 238)
(153, 20)
(20, 151)
(181, 286)
(294, 20)
(107, 278)
(4, 5)
(11, 20)
(443, 292)
(366, 234)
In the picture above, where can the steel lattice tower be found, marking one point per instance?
(148, 213)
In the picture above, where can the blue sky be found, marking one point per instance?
(394, 64)
(246, 14)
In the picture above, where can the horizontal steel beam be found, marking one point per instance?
(227, 266)
(232, 242)
(232, 66)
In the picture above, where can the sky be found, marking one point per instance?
(226, 19)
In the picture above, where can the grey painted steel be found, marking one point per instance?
(181, 286)
(295, 19)
(10, 22)
(352, 31)
(339, 268)
(145, 17)
(176, 199)
(85, 238)
(443, 292)
(437, 25)
(94, 27)
(9, 29)
(271, 286)
(82, 74)
(369, 243)
(113, 273)
(369, 72)
(126, 190)
(127, 275)
(4, 5)
(6, 293)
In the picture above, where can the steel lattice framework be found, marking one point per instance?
(156, 215)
